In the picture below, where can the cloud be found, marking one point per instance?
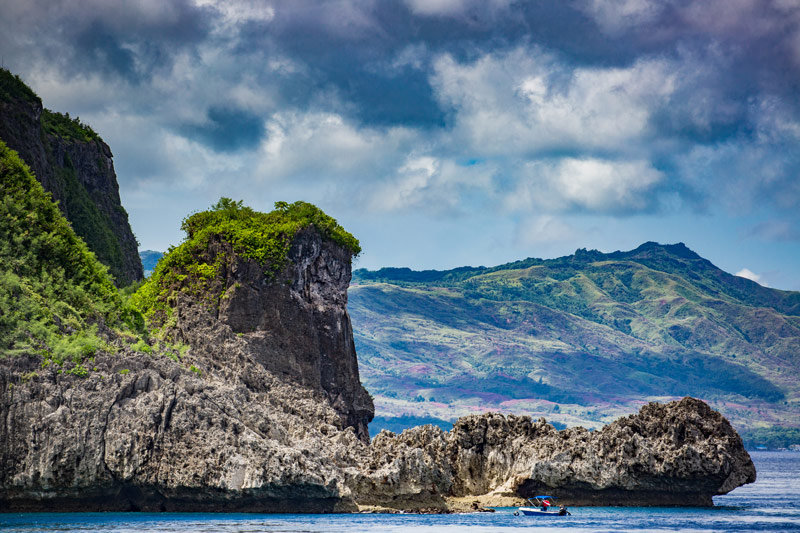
(613, 16)
(586, 184)
(510, 111)
(748, 274)
(544, 229)
(527, 102)
(776, 231)
(227, 129)
(455, 7)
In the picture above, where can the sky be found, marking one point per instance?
(444, 133)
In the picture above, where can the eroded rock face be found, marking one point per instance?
(147, 433)
(295, 325)
(264, 413)
(682, 453)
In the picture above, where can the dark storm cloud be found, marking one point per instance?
(107, 38)
(695, 94)
(227, 129)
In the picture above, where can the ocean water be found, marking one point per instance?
(770, 504)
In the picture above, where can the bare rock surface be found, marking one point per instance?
(682, 453)
(160, 437)
(294, 325)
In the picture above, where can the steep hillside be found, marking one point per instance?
(74, 164)
(55, 297)
(580, 338)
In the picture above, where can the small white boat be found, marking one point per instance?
(540, 506)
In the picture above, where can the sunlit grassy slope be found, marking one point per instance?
(579, 338)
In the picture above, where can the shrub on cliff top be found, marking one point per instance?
(263, 237)
(12, 86)
(66, 127)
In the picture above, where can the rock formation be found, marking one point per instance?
(294, 325)
(265, 411)
(146, 433)
(682, 453)
(77, 171)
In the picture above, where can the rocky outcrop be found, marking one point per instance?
(147, 433)
(80, 175)
(682, 453)
(264, 412)
(294, 324)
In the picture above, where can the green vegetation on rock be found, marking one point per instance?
(54, 293)
(12, 86)
(76, 169)
(263, 237)
(61, 125)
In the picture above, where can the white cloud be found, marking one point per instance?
(544, 229)
(592, 184)
(317, 146)
(748, 274)
(235, 12)
(523, 102)
(615, 15)
(451, 7)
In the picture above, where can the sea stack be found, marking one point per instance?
(679, 454)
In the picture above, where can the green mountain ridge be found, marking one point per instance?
(580, 338)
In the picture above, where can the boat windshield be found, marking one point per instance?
(543, 501)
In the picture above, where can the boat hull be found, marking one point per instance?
(532, 511)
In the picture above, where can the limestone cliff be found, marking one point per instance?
(295, 324)
(146, 433)
(76, 167)
(110, 417)
(682, 453)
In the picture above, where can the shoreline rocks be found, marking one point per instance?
(682, 453)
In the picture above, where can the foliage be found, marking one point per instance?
(196, 370)
(263, 237)
(53, 290)
(12, 87)
(142, 346)
(770, 437)
(92, 225)
(63, 126)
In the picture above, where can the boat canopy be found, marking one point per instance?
(545, 497)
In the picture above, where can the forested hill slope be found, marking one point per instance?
(580, 338)
(73, 163)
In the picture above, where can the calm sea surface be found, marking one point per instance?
(770, 504)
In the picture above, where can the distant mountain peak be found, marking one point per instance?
(678, 249)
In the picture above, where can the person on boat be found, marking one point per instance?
(562, 511)
(545, 505)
